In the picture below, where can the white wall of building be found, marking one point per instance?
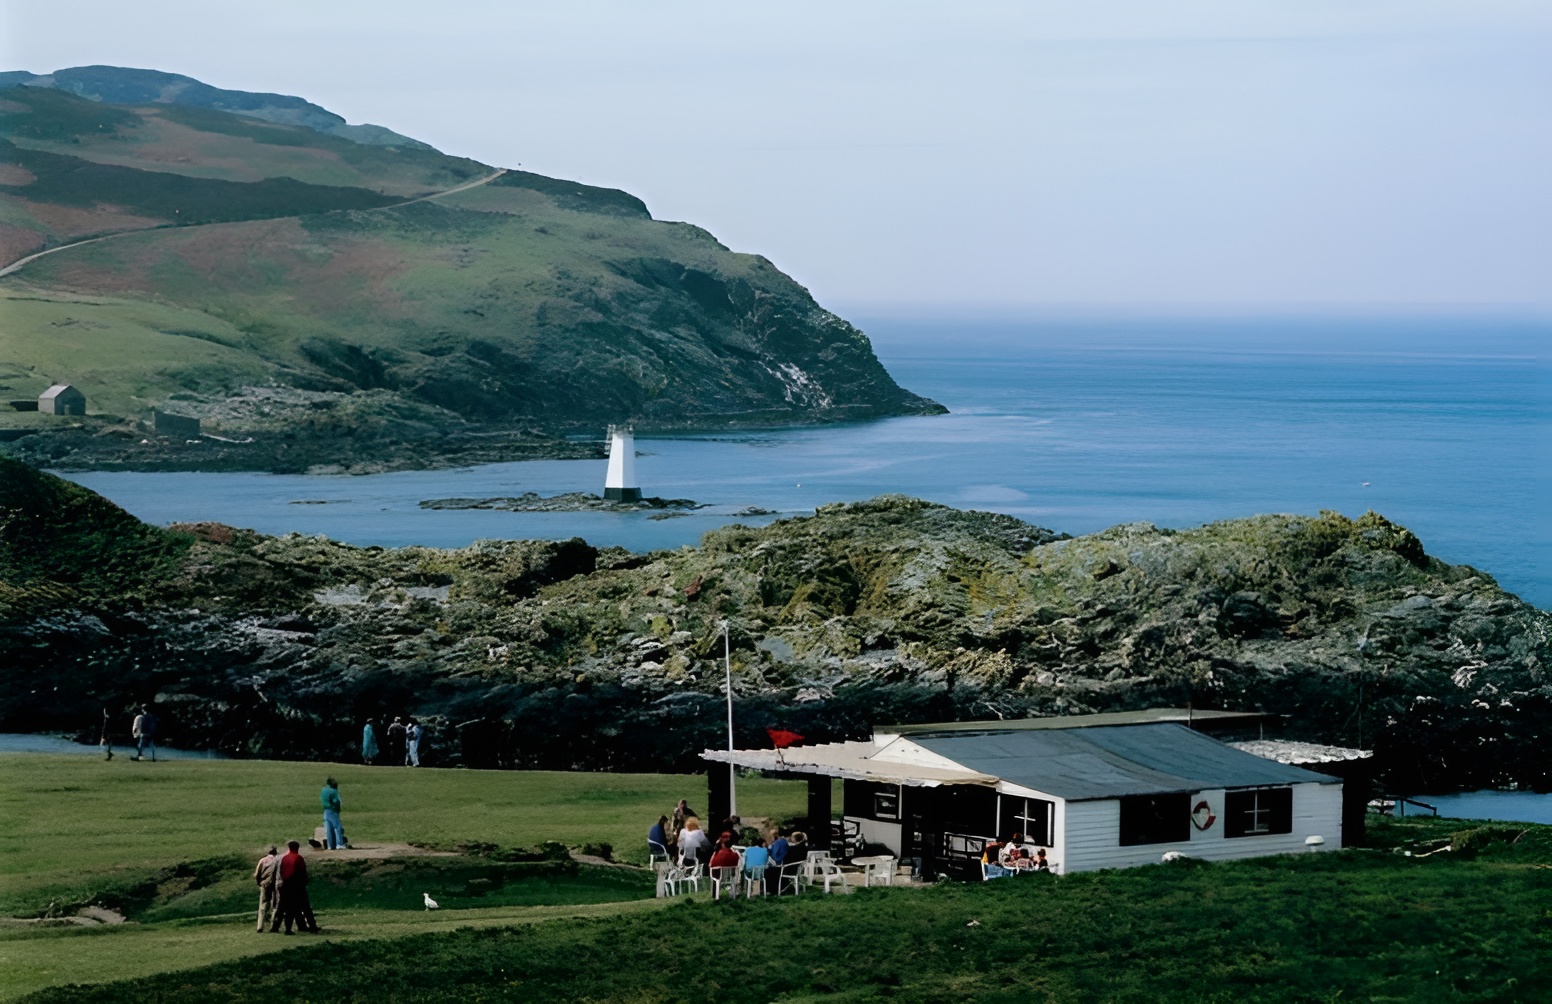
(1091, 832)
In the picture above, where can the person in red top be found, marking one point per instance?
(724, 856)
(294, 902)
(727, 858)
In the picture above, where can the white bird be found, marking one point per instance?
(431, 904)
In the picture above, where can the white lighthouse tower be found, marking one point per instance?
(620, 483)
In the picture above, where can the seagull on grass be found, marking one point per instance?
(431, 904)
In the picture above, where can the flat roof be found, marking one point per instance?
(1083, 764)
(1146, 717)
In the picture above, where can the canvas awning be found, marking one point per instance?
(852, 760)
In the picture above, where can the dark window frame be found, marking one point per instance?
(1155, 819)
(1258, 812)
(1016, 817)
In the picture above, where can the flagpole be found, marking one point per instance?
(727, 663)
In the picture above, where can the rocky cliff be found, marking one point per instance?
(559, 654)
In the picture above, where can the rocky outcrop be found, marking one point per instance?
(561, 654)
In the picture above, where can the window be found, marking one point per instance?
(870, 800)
(1029, 816)
(1155, 819)
(1258, 812)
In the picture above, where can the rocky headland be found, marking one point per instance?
(561, 654)
(329, 296)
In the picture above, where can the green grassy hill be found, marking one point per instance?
(424, 293)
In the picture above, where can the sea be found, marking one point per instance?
(1076, 423)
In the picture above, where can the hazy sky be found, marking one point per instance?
(956, 153)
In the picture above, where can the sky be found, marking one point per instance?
(983, 156)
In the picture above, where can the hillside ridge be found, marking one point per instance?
(448, 311)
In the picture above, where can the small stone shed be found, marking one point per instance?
(62, 399)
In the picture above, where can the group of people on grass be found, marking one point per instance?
(1009, 857)
(681, 840)
(282, 878)
(142, 731)
(404, 741)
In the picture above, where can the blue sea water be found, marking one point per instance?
(1072, 423)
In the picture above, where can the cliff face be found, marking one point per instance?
(560, 654)
(264, 271)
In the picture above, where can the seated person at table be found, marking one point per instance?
(797, 846)
(756, 857)
(1015, 855)
(779, 849)
(693, 843)
(657, 838)
(1041, 864)
(724, 856)
(991, 860)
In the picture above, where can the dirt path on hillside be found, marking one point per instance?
(15, 265)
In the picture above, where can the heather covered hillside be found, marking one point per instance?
(559, 654)
(339, 298)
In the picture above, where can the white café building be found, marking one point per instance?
(1097, 791)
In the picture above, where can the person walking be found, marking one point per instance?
(368, 744)
(106, 742)
(144, 731)
(412, 736)
(292, 884)
(396, 739)
(333, 830)
(267, 873)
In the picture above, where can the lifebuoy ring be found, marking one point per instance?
(1202, 815)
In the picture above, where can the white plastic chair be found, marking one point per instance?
(725, 877)
(792, 875)
(754, 882)
(882, 871)
(685, 877)
(829, 871)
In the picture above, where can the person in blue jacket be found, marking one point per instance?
(333, 831)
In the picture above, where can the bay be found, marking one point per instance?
(1074, 423)
(1509, 806)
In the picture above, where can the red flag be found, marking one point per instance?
(782, 738)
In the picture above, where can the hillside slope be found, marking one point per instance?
(255, 263)
(559, 654)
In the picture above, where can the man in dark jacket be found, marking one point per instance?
(396, 742)
(294, 904)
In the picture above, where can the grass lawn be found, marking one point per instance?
(1372, 924)
(173, 843)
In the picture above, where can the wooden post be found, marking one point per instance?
(819, 807)
(718, 781)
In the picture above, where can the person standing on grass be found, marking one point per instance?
(267, 874)
(292, 883)
(145, 733)
(412, 744)
(333, 830)
(106, 742)
(396, 734)
(368, 744)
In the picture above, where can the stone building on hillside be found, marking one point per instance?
(62, 399)
(174, 425)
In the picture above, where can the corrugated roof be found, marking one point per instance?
(1110, 761)
(1144, 717)
(1292, 751)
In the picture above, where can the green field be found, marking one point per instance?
(171, 844)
